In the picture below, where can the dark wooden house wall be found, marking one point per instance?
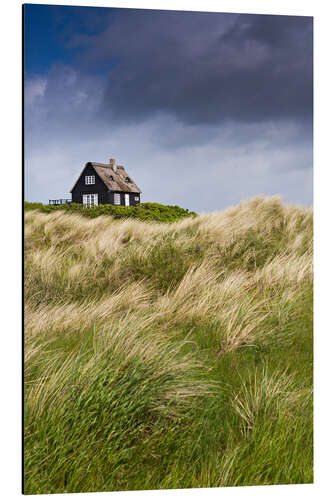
(81, 188)
(132, 197)
(104, 195)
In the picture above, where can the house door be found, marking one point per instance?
(126, 200)
(90, 199)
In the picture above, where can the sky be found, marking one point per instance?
(203, 109)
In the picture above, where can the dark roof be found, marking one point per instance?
(114, 177)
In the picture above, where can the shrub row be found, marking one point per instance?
(143, 211)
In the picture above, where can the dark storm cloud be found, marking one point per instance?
(204, 67)
(172, 95)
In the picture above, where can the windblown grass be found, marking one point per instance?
(168, 355)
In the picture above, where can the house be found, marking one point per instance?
(101, 183)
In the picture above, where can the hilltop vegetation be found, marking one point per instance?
(168, 355)
(143, 211)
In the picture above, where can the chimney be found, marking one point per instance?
(113, 164)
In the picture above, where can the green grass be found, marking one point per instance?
(168, 355)
(143, 211)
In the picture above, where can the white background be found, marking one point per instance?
(10, 363)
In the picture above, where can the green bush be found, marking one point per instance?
(33, 206)
(143, 211)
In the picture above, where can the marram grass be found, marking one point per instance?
(168, 355)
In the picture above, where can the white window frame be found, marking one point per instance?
(90, 200)
(117, 199)
(127, 200)
(136, 198)
(90, 179)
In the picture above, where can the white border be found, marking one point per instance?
(11, 244)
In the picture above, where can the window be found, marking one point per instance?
(90, 179)
(116, 198)
(90, 199)
(127, 200)
(127, 179)
(136, 198)
(111, 177)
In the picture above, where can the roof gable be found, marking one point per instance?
(114, 179)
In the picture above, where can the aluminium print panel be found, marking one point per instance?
(168, 249)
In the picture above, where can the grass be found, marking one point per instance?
(142, 211)
(168, 355)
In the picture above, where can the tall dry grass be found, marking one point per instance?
(140, 335)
